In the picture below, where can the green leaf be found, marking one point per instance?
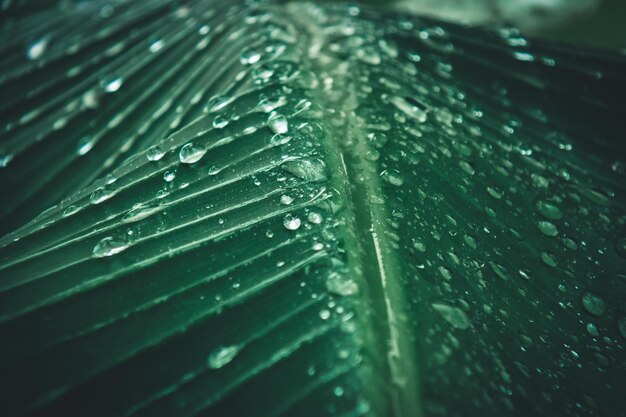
(306, 210)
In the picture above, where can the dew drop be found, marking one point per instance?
(155, 153)
(291, 222)
(112, 84)
(109, 246)
(548, 259)
(409, 108)
(101, 194)
(593, 303)
(453, 315)
(324, 314)
(314, 218)
(278, 123)
(392, 177)
(547, 228)
(286, 199)
(191, 153)
(312, 170)
(37, 49)
(549, 210)
(222, 356)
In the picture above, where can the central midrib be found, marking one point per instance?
(372, 261)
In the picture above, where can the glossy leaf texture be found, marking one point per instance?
(296, 209)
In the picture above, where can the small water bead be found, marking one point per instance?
(156, 46)
(324, 314)
(220, 122)
(155, 153)
(109, 246)
(548, 259)
(71, 210)
(620, 247)
(338, 391)
(470, 241)
(169, 176)
(467, 167)
(453, 315)
(592, 330)
(222, 356)
(278, 123)
(286, 199)
(499, 270)
(279, 139)
(593, 303)
(101, 194)
(410, 108)
(341, 285)
(217, 103)
(291, 222)
(621, 324)
(547, 228)
(314, 218)
(549, 210)
(308, 169)
(85, 144)
(191, 153)
(139, 212)
(250, 56)
(112, 84)
(37, 48)
(392, 177)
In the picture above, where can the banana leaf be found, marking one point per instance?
(254, 208)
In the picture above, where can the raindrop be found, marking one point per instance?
(155, 153)
(191, 153)
(408, 107)
(222, 356)
(291, 222)
(547, 228)
(549, 210)
(312, 170)
(594, 304)
(548, 259)
(286, 199)
(37, 48)
(278, 123)
(453, 315)
(392, 177)
(101, 194)
(109, 246)
(112, 84)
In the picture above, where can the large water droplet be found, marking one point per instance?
(101, 194)
(291, 222)
(222, 356)
(453, 315)
(278, 123)
(547, 228)
(191, 153)
(593, 303)
(155, 153)
(109, 246)
(409, 108)
(312, 170)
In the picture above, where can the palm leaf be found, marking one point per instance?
(306, 210)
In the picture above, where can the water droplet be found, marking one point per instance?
(139, 213)
(409, 107)
(101, 194)
(286, 199)
(155, 153)
(112, 84)
(592, 330)
(314, 218)
(220, 122)
(156, 46)
(548, 259)
(291, 222)
(278, 123)
(324, 314)
(547, 228)
(312, 170)
(549, 210)
(37, 48)
(191, 153)
(341, 285)
(216, 103)
(621, 324)
(499, 270)
(250, 56)
(453, 315)
(109, 246)
(593, 303)
(222, 356)
(620, 247)
(392, 177)
(338, 391)
(71, 210)
(85, 144)
(169, 176)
